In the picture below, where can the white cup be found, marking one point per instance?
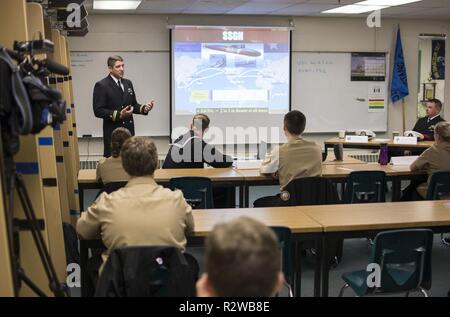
(341, 134)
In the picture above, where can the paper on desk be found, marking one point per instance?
(382, 140)
(248, 164)
(345, 169)
(403, 160)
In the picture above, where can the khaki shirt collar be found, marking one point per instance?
(141, 180)
(294, 139)
(443, 145)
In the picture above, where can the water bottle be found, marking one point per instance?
(383, 160)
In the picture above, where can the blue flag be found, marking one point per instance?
(399, 84)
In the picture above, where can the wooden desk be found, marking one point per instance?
(374, 144)
(245, 178)
(335, 171)
(219, 176)
(362, 220)
(87, 177)
(302, 226)
(206, 219)
(321, 224)
(331, 160)
(339, 173)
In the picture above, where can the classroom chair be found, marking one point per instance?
(439, 185)
(404, 259)
(146, 271)
(438, 188)
(196, 190)
(365, 187)
(315, 190)
(284, 236)
(111, 187)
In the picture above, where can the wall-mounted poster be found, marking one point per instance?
(438, 59)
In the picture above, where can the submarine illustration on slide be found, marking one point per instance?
(233, 49)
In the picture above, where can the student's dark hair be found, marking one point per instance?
(437, 103)
(200, 121)
(295, 122)
(139, 156)
(113, 59)
(118, 137)
(242, 259)
(443, 130)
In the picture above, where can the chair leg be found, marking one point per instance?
(288, 286)
(335, 262)
(341, 292)
(445, 241)
(423, 292)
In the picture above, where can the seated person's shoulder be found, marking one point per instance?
(313, 145)
(99, 169)
(170, 194)
(102, 161)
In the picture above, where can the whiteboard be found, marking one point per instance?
(149, 72)
(322, 90)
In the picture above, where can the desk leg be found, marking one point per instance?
(327, 146)
(343, 189)
(241, 196)
(81, 197)
(396, 188)
(246, 190)
(325, 267)
(297, 272)
(318, 264)
(84, 257)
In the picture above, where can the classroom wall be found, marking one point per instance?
(149, 32)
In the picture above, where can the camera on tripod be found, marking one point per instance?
(34, 47)
(27, 105)
(33, 105)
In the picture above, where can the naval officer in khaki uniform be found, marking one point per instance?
(110, 169)
(142, 212)
(295, 159)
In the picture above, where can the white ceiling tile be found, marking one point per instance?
(441, 13)
(289, 2)
(165, 4)
(425, 8)
(429, 4)
(213, 4)
(401, 10)
(259, 8)
(305, 8)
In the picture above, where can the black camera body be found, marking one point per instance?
(27, 103)
(34, 47)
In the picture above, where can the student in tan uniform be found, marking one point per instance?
(436, 158)
(243, 259)
(110, 169)
(142, 212)
(295, 159)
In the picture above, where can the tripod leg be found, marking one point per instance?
(30, 284)
(55, 287)
(14, 252)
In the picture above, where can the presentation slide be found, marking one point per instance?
(239, 77)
